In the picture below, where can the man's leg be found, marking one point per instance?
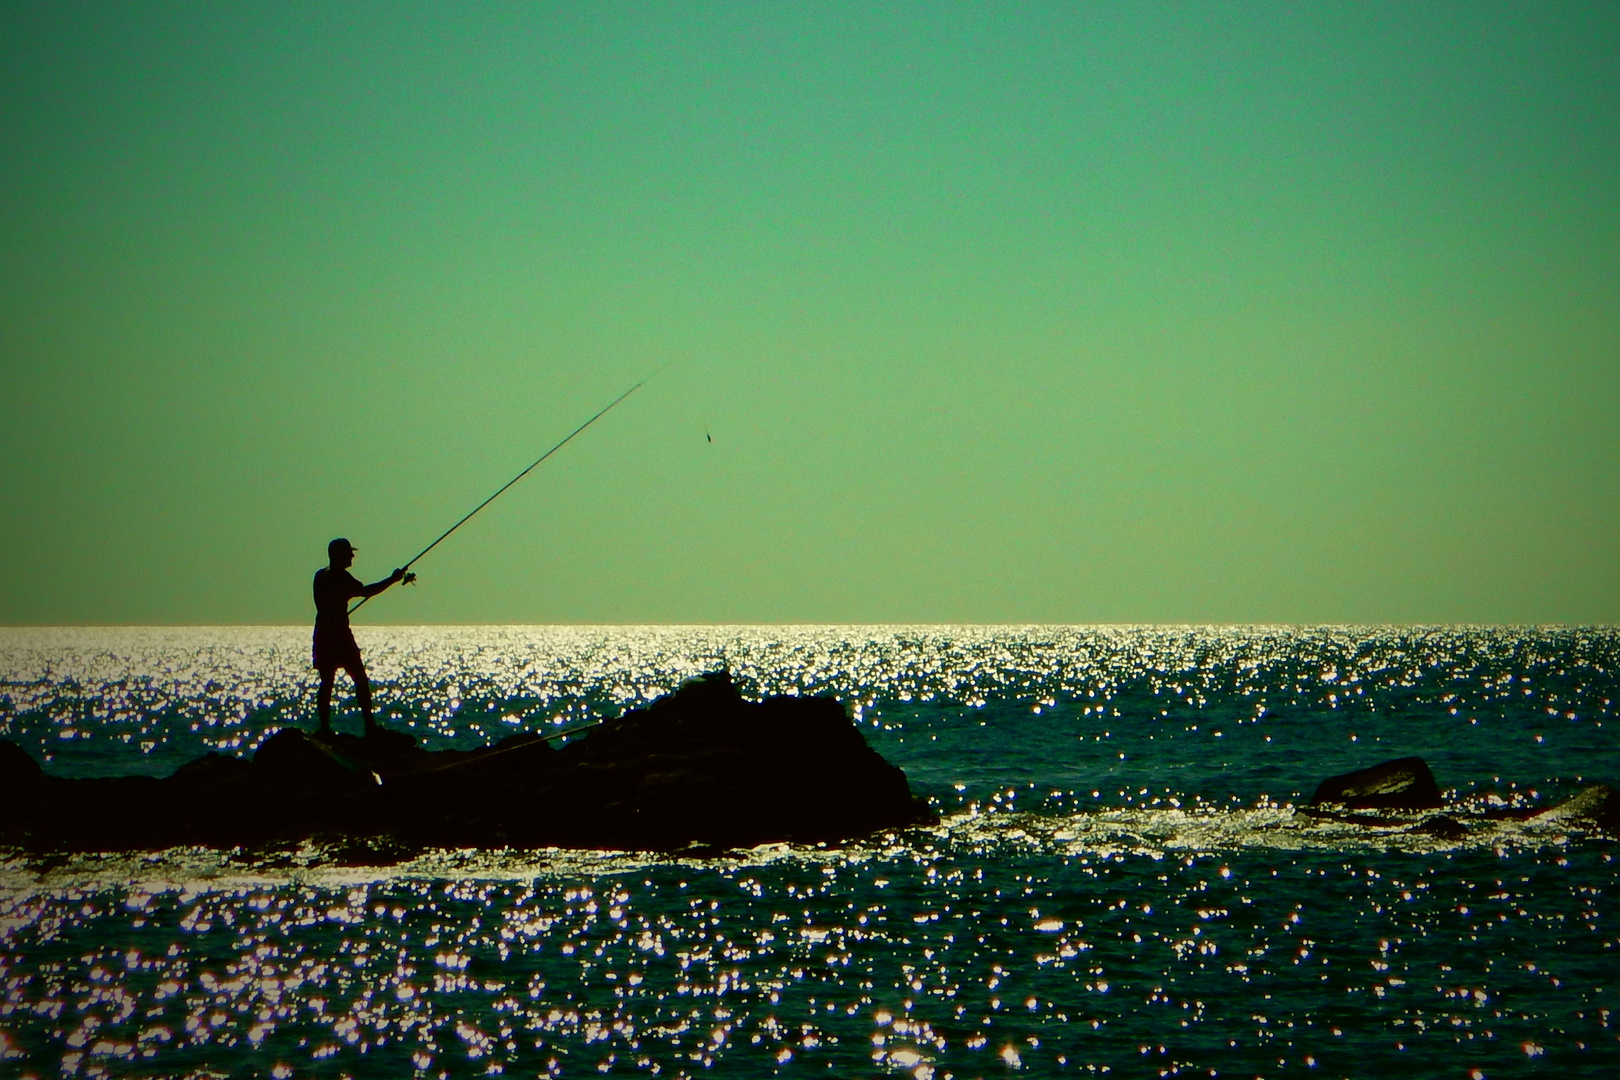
(323, 699)
(362, 693)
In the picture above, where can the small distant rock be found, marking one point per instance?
(1402, 784)
(1443, 827)
(1594, 809)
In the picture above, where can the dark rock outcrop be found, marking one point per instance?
(1593, 809)
(1406, 785)
(1442, 826)
(1403, 784)
(699, 766)
(17, 769)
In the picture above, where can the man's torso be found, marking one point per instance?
(333, 591)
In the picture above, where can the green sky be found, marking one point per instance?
(1028, 312)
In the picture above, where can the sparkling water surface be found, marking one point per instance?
(1120, 883)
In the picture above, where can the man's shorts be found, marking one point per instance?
(335, 648)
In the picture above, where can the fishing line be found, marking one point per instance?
(515, 479)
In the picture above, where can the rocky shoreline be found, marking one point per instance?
(701, 766)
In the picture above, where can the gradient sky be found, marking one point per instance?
(1068, 312)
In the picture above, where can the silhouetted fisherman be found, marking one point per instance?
(334, 641)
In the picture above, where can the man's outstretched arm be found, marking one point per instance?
(378, 586)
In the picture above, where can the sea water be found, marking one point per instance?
(1120, 884)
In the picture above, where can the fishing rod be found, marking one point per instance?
(514, 480)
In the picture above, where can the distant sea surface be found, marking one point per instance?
(1121, 884)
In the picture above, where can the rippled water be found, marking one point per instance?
(1120, 884)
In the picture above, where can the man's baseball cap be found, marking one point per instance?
(340, 544)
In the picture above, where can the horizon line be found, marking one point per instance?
(811, 623)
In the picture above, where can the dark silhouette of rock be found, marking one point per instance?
(701, 766)
(17, 769)
(1406, 784)
(1402, 784)
(1442, 826)
(297, 761)
(1593, 809)
(213, 770)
